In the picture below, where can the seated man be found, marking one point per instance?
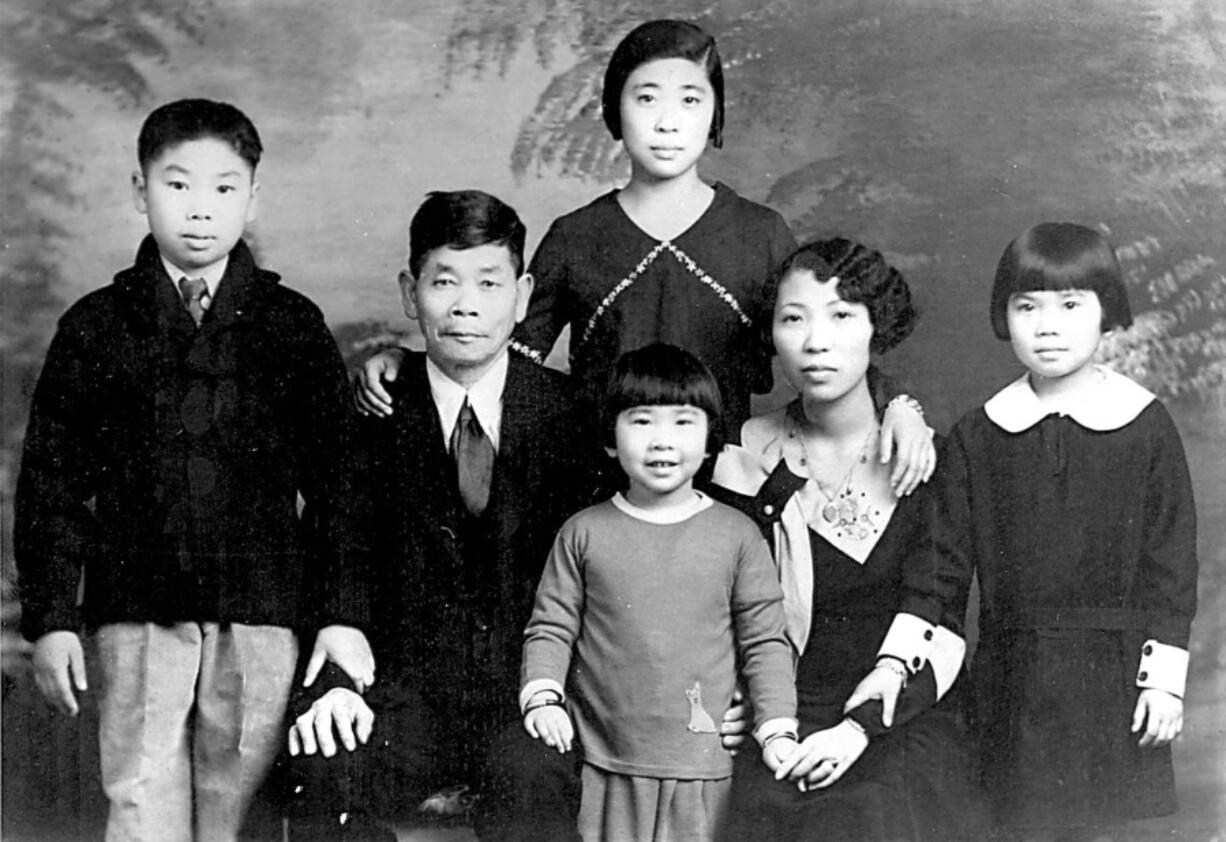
(460, 495)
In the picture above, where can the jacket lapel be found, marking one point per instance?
(423, 465)
(515, 468)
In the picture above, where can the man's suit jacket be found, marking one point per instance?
(450, 594)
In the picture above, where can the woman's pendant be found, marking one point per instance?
(830, 513)
(849, 512)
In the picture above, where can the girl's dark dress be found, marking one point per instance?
(1082, 529)
(915, 781)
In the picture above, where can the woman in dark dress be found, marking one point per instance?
(877, 621)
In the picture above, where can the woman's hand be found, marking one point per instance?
(369, 394)
(1160, 714)
(884, 683)
(907, 439)
(824, 756)
(735, 723)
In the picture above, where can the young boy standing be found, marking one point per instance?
(181, 412)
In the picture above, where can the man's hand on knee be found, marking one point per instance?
(338, 715)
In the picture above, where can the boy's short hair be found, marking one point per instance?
(192, 119)
(663, 375)
(1059, 256)
(864, 278)
(464, 219)
(659, 39)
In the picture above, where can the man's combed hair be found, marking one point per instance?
(864, 278)
(660, 39)
(464, 219)
(663, 375)
(1060, 256)
(193, 119)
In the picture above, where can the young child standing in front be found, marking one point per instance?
(648, 604)
(1069, 493)
(669, 257)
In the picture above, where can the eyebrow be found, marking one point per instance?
(488, 269)
(175, 168)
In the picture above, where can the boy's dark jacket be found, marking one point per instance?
(167, 460)
(450, 595)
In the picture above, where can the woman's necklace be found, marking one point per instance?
(842, 510)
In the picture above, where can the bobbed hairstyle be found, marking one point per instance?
(663, 375)
(659, 39)
(864, 277)
(464, 219)
(193, 119)
(1060, 256)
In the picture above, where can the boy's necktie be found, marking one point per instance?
(474, 459)
(193, 291)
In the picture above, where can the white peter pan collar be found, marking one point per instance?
(1110, 402)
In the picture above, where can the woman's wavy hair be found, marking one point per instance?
(864, 277)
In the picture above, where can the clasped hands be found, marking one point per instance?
(823, 757)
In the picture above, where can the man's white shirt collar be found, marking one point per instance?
(1108, 403)
(212, 278)
(485, 397)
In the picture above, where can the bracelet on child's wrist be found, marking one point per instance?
(552, 701)
(779, 735)
(908, 401)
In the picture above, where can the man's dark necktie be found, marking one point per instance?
(193, 291)
(474, 459)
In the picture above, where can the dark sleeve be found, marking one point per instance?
(885, 388)
(779, 247)
(936, 585)
(1168, 569)
(328, 477)
(55, 532)
(549, 308)
(918, 696)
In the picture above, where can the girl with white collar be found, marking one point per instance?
(1068, 493)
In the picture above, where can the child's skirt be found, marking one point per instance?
(616, 808)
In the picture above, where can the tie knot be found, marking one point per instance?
(192, 289)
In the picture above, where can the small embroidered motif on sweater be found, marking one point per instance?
(700, 720)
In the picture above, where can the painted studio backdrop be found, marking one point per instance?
(935, 130)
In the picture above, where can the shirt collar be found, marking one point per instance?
(1108, 403)
(485, 397)
(211, 278)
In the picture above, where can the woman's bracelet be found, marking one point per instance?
(908, 401)
(895, 666)
(855, 725)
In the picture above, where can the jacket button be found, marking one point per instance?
(915, 663)
(768, 510)
(928, 635)
(1148, 650)
(1142, 676)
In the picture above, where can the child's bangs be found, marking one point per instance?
(646, 390)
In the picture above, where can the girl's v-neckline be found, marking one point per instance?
(719, 191)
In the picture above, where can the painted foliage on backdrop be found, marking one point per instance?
(937, 128)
